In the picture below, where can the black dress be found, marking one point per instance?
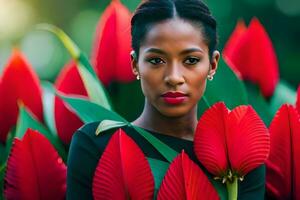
(86, 149)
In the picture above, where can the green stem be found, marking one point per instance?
(232, 189)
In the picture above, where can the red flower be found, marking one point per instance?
(19, 83)
(251, 53)
(34, 170)
(69, 82)
(298, 100)
(185, 180)
(111, 52)
(229, 49)
(283, 164)
(231, 143)
(123, 171)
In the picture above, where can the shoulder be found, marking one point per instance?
(86, 141)
(85, 151)
(88, 129)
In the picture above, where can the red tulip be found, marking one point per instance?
(229, 49)
(283, 164)
(231, 143)
(69, 82)
(112, 46)
(185, 180)
(298, 100)
(19, 83)
(251, 53)
(34, 170)
(123, 171)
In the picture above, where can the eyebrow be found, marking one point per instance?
(186, 51)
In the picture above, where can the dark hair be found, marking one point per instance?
(150, 12)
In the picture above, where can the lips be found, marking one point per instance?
(174, 98)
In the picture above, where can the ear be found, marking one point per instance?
(214, 62)
(134, 63)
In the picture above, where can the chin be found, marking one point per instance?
(174, 112)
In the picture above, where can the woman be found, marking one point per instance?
(174, 54)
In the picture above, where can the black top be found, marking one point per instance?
(86, 149)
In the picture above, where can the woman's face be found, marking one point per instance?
(173, 65)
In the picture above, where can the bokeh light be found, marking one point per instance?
(45, 53)
(15, 18)
(289, 7)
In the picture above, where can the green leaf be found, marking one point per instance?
(88, 111)
(284, 93)
(9, 142)
(26, 120)
(5, 153)
(203, 105)
(167, 152)
(2, 175)
(258, 103)
(2, 153)
(109, 124)
(159, 169)
(48, 105)
(94, 87)
(124, 93)
(64, 38)
(95, 90)
(226, 87)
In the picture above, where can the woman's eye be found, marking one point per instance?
(156, 61)
(191, 61)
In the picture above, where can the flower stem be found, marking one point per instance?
(232, 189)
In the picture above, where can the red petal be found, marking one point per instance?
(35, 170)
(248, 140)
(111, 52)
(255, 58)
(66, 121)
(298, 100)
(19, 83)
(283, 162)
(210, 139)
(123, 171)
(185, 180)
(231, 44)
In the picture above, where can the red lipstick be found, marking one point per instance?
(174, 98)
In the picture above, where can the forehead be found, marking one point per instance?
(175, 34)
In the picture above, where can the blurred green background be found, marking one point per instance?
(78, 18)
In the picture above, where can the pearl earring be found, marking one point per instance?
(210, 77)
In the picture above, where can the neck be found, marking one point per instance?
(181, 127)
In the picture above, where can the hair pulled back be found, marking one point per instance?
(150, 12)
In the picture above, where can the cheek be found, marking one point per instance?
(149, 84)
(198, 83)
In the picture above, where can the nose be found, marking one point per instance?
(174, 75)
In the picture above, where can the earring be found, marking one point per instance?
(210, 77)
(133, 54)
(138, 77)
